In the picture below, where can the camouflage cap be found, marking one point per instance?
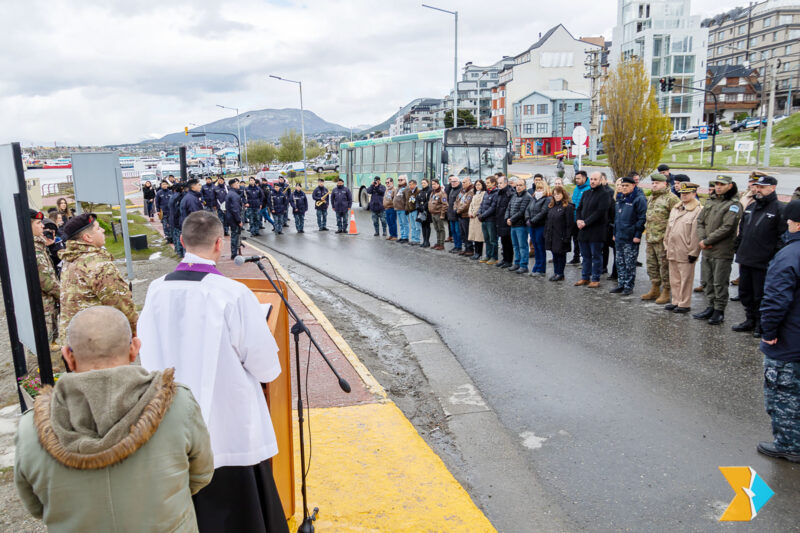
(687, 187)
(657, 176)
(725, 180)
(77, 224)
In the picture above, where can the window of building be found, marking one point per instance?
(579, 107)
(562, 107)
(788, 49)
(766, 54)
(719, 50)
(682, 64)
(741, 29)
(785, 19)
(768, 22)
(527, 110)
(721, 35)
(794, 34)
(740, 44)
(787, 67)
(710, 38)
(527, 128)
(749, 97)
(541, 109)
(724, 81)
(541, 127)
(743, 81)
(774, 36)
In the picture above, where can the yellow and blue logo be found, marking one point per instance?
(752, 493)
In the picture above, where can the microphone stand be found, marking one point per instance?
(299, 327)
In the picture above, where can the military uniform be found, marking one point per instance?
(659, 206)
(51, 289)
(716, 228)
(89, 278)
(683, 249)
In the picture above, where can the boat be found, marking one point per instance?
(32, 164)
(126, 162)
(58, 163)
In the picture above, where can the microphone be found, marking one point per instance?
(239, 260)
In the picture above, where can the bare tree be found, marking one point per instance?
(636, 131)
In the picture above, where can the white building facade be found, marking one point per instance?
(671, 43)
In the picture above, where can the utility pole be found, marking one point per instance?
(770, 111)
(455, 62)
(592, 61)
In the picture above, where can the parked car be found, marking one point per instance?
(289, 167)
(270, 175)
(691, 133)
(676, 135)
(331, 164)
(748, 123)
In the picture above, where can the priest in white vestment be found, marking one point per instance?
(213, 331)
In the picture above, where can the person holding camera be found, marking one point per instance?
(376, 192)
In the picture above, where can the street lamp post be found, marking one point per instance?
(238, 132)
(302, 125)
(484, 73)
(455, 62)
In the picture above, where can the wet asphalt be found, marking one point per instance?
(626, 411)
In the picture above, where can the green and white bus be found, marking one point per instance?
(464, 152)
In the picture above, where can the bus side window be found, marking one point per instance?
(392, 157)
(419, 156)
(406, 153)
(366, 163)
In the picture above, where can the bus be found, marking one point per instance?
(464, 152)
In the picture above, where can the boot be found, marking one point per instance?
(666, 296)
(705, 314)
(717, 318)
(655, 289)
(757, 330)
(747, 325)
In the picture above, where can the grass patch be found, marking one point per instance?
(137, 224)
(783, 153)
(786, 133)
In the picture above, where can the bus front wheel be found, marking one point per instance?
(363, 198)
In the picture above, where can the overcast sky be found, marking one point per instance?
(115, 71)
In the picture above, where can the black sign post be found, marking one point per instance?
(19, 272)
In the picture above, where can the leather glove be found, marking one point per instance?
(692, 258)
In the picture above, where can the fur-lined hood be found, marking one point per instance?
(95, 419)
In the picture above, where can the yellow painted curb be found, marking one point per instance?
(375, 473)
(366, 376)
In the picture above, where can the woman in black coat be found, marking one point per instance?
(422, 211)
(149, 194)
(558, 230)
(503, 229)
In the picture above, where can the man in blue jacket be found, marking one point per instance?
(254, 197)
(220, 193)
(581, 186)
(780, 342)
(233, 215)
(162, 206)
(376, 192)
(299, 207)
(175, 216)
(192, 201)
(629, 220)
(341, 202)
(320, 197)
(279, 205)
(209, 197)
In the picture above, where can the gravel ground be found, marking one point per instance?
(13, 516)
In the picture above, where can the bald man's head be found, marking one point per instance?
(99, 337)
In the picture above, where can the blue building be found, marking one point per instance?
(544, 120)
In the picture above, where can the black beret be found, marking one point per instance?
(680, 177)
(78, 223)
(36, 215)
(628, 179)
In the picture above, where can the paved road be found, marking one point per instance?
(788, 178)
(627, 410)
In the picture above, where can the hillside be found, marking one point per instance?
(266, 124)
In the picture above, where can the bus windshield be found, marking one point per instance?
(475, 162)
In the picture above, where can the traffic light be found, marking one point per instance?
(186, 130)
(663, 83)
(670, 83)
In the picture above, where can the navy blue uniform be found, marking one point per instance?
(191, 202)
(299, 207)
(233, 216)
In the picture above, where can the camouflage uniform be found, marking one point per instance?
(48, 282)
(88, 278)
(659, 206)
(782, 402)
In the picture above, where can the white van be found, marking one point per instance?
(165, 169)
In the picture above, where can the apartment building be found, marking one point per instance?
(671, 43)
(544, 120)
(751, 36)
(474, 91)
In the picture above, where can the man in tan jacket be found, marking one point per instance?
(112, 447)
(683, 247)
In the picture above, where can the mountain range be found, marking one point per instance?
(262, 124)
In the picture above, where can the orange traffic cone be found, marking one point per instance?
(352, 230)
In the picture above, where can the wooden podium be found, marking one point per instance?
(279, 392)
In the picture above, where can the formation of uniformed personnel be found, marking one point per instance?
(89, 276)
(48, 281)
(716, 229)
(659, 206)
(760, 236)
(682, 247)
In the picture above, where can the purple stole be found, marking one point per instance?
(198, 267)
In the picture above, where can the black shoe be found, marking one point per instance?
(402, 240)
(757, 331)
(612, 277)
(747, 325)
(769, 449)
(300, 231)
(456, 251)
(557, 278)
(521, 270)
(717, 318)
(576, 260)
(502, 264)
(616, 290)
(375, 235)
(735, 298)
(514, 268)
(705, 314)
(323, 229)
(682, 310)
(505, 265)
(670, 307)
(627, 292)
(638, 263)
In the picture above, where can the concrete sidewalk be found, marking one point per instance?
(369, 470)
